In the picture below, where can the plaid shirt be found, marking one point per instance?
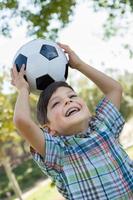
(90, 165)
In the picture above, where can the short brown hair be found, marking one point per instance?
(44, 99)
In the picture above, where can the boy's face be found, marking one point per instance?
(67, 113)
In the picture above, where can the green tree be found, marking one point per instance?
(7, 136)
(39, 15)
(8, 133)
(117, 14)
(46, 18)
(127, 101)
(91, 93)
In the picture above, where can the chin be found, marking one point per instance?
(79, 118)
(76, 126)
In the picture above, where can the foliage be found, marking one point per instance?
(91, 94)
(9, 137)
(39, 15)
(121, 4)
(127, 101)
(87, 90)
(7, 129)
(116, 10)
(8, 133)
(27, 174)
(45, 191)
(46, 18)
(129, 151)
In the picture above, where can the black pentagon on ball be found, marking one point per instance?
(43, 81)
(19, 61)
(48, 52)
(66, 71)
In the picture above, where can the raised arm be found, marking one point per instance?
(22, 115)
(111, 88)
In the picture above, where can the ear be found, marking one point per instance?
(53, 132)
(50, 130)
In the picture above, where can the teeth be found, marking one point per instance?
(71, 110)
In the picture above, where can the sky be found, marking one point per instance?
(84, 35)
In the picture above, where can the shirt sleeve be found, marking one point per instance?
(108, 113)
(50, 164)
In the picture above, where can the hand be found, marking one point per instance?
(74, 61)
(18, 78)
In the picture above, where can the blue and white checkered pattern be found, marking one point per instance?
(91, 165)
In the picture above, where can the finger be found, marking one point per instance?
(14, 71)
(22, 70)
(62, 45)
(15, 68)
(11, 72)
(23, 67)
(12, 83)
(66, 48)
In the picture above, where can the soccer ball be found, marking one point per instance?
(45, 63)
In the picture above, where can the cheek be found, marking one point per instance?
(55, 113)
(86, 108)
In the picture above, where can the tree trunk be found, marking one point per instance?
(15, 186)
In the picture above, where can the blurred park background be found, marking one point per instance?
(101, 32)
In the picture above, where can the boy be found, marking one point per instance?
(80, 152)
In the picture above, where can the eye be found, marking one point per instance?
(72, 96)
(56, 103)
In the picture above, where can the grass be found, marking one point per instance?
(44, 192)
(130, 152)
(4, 186)
(27, 174)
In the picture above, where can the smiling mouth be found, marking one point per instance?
(72, 111)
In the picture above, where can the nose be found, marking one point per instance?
(67, 101)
